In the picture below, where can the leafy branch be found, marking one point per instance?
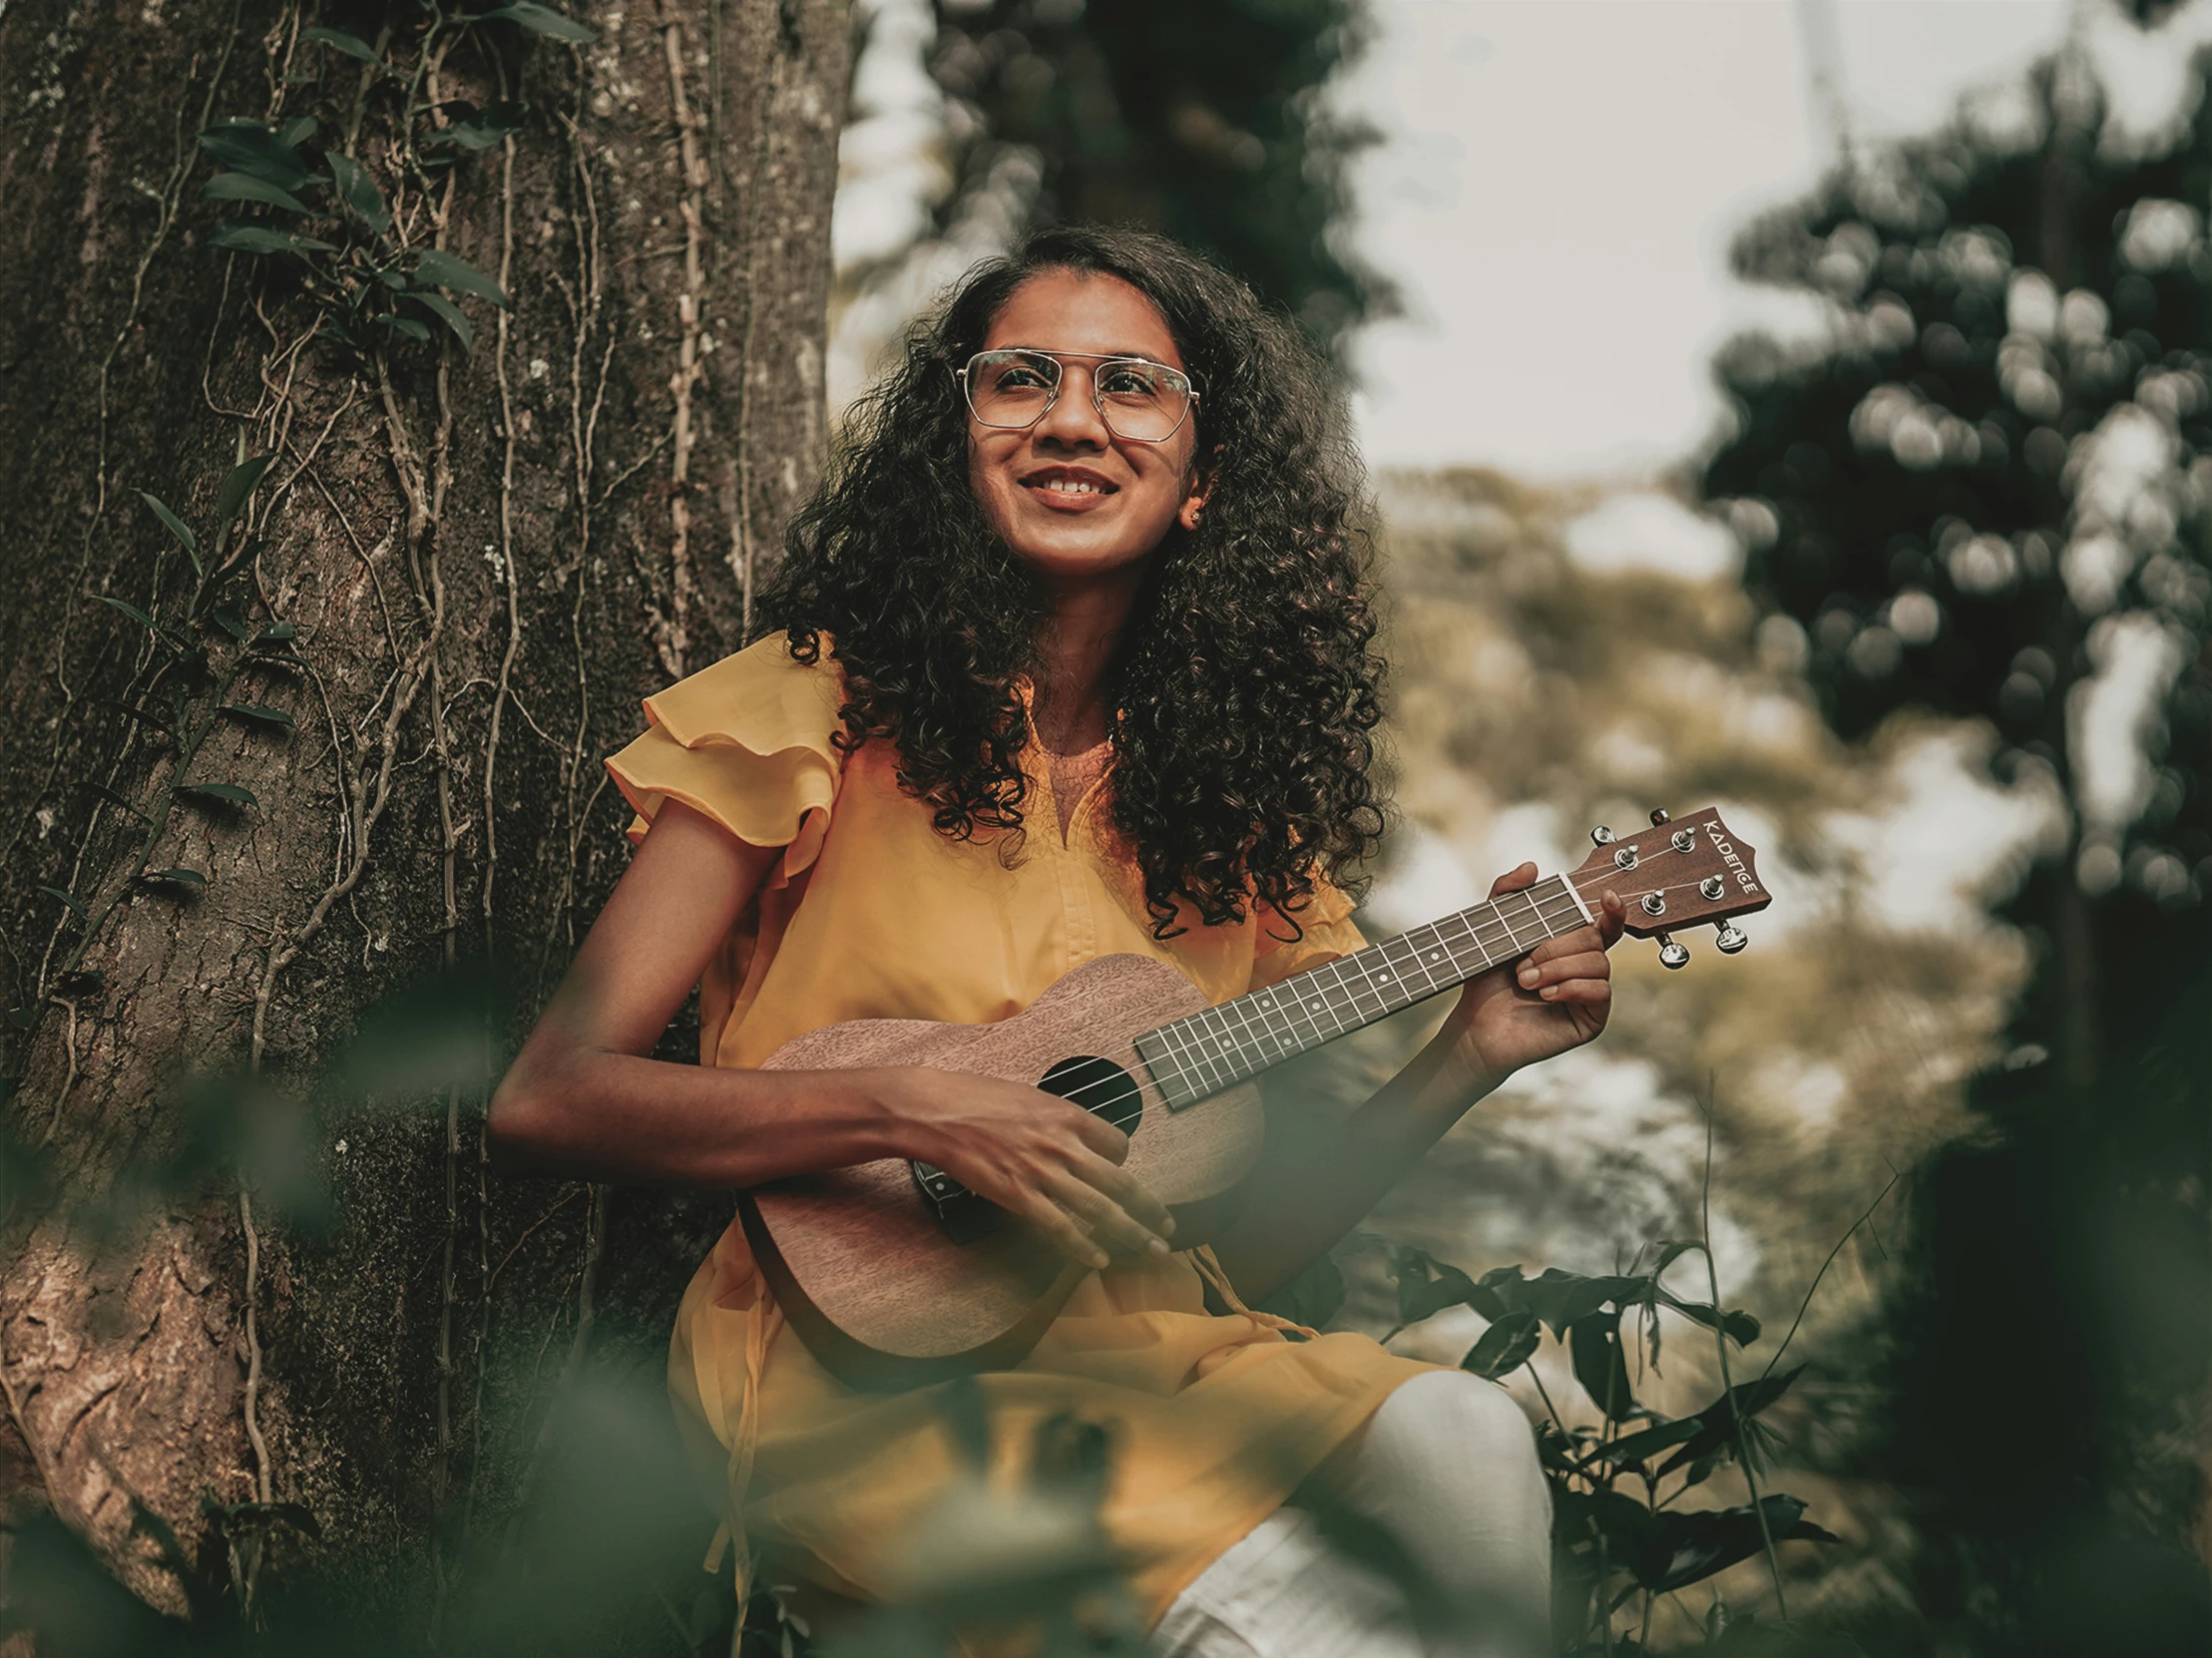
(321, 208)
(1617, 1531)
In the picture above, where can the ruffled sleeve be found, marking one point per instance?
(748, 742)
(1328, 932)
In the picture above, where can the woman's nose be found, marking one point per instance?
(1073, 418)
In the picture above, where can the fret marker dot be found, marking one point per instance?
(1383, 977)
(1315, 1006)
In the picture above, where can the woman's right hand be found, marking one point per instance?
(1052, 1163)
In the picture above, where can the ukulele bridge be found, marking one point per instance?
(964, 1216)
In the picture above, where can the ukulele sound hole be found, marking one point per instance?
(1101, 1087)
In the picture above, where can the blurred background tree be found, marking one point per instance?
(1987, 493)
(976, 119)
(1203, 118)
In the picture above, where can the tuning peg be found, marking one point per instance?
(1732, 938)
(1658, 816)
(1672, 954)
(1602, 836)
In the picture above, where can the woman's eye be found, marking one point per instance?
(1131, 382)
(1017, 377)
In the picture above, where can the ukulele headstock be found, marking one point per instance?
(1677, 873)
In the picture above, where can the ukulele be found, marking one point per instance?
(894, 1275)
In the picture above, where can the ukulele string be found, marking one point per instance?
(1484, 934)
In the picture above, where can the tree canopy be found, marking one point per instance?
(1204, 120)
(1988, 490)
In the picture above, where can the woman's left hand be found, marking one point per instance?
(1553, 999)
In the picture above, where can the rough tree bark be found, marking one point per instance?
(487, 555)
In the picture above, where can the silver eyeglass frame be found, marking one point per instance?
(1098, 398)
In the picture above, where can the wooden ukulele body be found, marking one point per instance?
(868, 1272)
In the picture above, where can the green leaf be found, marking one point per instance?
(254, 713)
(354, 46)
(434, 266)
(451, 313)
(226, 618)
(359, 193)
(255, 146)
(1639, 1537)
(277, 635)
(540, 20)
(1701, 1544)
(65, 897)
(113, 799)
(1673, 1251)
(177, 528)
(1505, 1346)
(1702, 1470)
(1740, 1327)
(1560, 1297)
(296, 131)
(1595, 1342)
(144, 715)
(133, 611)
(238, 238)
(187, 881)
(243, 187)
(227, 794)
(1642, 1446)
(1497, 1293)
(404, 326)
(1426, 1285)
(1716, 1435)
(240, 484)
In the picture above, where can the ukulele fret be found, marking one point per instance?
(1195, 1057)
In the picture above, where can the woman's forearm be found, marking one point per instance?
(597, 1115)
(1314, 1184)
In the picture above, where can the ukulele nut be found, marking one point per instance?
(1653, 904)
(1712, 886)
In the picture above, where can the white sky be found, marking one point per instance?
(1559, 181)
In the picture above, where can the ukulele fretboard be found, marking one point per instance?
(1197, 1057)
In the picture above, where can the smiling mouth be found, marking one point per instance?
(1067, 486)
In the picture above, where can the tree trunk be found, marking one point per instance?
(445, 597)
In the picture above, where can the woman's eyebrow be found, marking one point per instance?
(1102, 356)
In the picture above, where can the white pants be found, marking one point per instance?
(1446, 1527)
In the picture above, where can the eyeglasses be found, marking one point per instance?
(1138, 399)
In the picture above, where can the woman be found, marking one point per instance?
(1073, 659)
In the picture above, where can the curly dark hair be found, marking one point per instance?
(1244, 689)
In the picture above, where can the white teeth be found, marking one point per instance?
(1070, 486)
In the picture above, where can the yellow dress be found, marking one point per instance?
(871, 913)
